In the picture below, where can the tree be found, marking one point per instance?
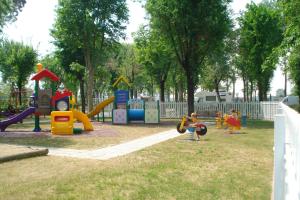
(280, 93)
(260, 33)
(291, 42)
(17, 62)
(9, 10)
(155, 55)
(217, 68)
(68, 55)
(130, 68)
(92, 25)
(192, 29)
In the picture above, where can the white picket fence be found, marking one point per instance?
(287, 154)
(254, 110)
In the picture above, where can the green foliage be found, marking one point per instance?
(294, 68)
(217, 65)
(156, 56)
(192, 28)
(260, 33)
(291, 43)
(17, 62)
(9, 10)
(89, 27)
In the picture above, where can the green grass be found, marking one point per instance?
(220, 166)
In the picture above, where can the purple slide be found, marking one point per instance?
(16, 118)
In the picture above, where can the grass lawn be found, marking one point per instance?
(104, 135)
(221, 166)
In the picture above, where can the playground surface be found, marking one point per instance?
(220, 166)
(104, 135)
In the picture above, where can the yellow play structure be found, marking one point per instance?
(62, 122)
(62, 119)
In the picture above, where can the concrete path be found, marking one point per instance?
(117, 150)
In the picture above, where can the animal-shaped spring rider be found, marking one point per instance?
(218, 120)
(192, 125)
(232, 122)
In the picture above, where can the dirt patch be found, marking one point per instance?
(45, 133)
(24, 134)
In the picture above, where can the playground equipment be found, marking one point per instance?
(39, 104)
(62, 119)
(218, 120)
(233, 122)
(17, 118)
(191, 126)
(101, 106)
(44, 101)
(62, 122)
(230, 122)
(132, 110)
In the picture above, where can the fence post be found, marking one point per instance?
(279, 144)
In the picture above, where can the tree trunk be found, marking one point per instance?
(20, 94)
(233, 89)
(261, 95)
(90, 83)
(285, 84)
(217, 91)
(190, 90)
(131, 93)
(251, 91)
(180, 92)
(244, 91)
(162, 90)
(81, 85)
(176, 92)
(168, 95)
(135, 94)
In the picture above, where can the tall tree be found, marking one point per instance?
(192, 29)
(9, 10)
(217, 66)
(68, 56)
(17, 62)
(260, 33)
(92, 25)
(291, 43)
(215, 71)
(156, 56)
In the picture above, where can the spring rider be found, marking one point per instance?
(191, 124)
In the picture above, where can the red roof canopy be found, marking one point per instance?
(45, 73)
(59, 95)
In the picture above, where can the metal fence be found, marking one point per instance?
(286, 154)
(254, 110)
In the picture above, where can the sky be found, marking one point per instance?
(37, 17)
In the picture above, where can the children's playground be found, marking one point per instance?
(54, 149)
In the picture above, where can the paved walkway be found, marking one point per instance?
(117, 150)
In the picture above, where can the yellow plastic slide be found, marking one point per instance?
(100, 106)
(84, 119)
